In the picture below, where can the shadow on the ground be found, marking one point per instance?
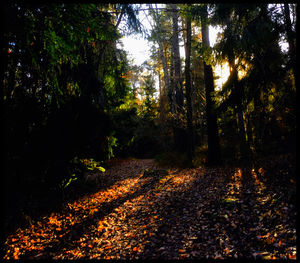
(215, 213)
(240, 218)
(72, 233)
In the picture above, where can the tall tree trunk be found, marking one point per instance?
(164, 61)
(249, 129)
(188, 89)
(244, 147)
(176, 59)
(159, 85)
(166, 75)
(214, 154)
(179, 133)
(237, 87)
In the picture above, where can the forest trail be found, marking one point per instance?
(231, 212)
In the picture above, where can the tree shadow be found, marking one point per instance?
(71, 233)
(185, 220)
(189, 213)
(236, 221)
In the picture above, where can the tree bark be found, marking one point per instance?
(214, 154)
(179, 132)
(188, 89)
(244, 147)
(176, 60)
(249, 129)
(164, 62)
(237, 88)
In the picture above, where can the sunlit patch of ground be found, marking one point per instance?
(189, 213)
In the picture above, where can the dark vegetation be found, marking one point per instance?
(72, 102)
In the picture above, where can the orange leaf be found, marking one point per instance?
(135, 249)
(292, 181)
(261, 170)
(108, 247)
(279, 243)
(292, 256)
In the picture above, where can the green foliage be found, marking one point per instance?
(250, 43)
(205, 53)
(111, 142)
(63, 77)
(66, 182)
(92, 165)
(147, 91)
(77, 167)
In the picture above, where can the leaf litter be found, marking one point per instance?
(151, 212)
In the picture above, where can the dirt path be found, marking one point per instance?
(189, 213)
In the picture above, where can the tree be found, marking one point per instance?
(148, 90)
(176, 83)
(64, 76)
(158, 31)
(214, 154)
(254, 58)
(188, 87)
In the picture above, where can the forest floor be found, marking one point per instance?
(170, 213)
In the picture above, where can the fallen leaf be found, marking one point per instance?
(135, 249)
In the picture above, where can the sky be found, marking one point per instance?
(139, 51)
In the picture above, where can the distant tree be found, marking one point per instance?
(148, 91)
(188, 86)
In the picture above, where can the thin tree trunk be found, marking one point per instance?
(164, 62)
(188, 89)
(159, 85)
(179, 132)
(214, 154)
(244, 147)
(176, 60)
(249, 129)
